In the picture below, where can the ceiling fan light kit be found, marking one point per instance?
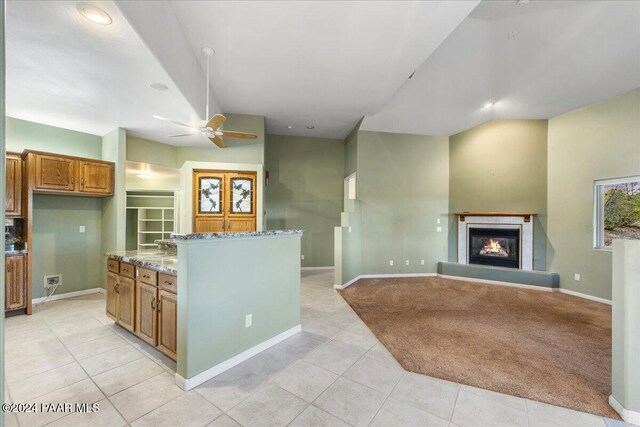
(211, 128)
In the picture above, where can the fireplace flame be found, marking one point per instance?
(493, 248)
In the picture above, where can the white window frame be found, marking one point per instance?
(598, 212)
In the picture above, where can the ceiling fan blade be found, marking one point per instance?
(216, 121)
(176, 123)
(218, 141)
(183, 134)
(239, 135)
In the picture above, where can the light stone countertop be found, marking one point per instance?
(212, 236)
(153, 259)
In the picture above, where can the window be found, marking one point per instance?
(617, 210)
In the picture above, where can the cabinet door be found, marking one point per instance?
(55, 173)
(126, 303)
(241, 202)
(13, 195)
(146, 316)
(96, 177)
(112, 291)
(208, 201)
(14, 290)
(167, 323)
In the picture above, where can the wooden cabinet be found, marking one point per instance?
(96, 178)
(224, 201)
(146, 316)
(54, 173)
(13, 194)
(120, 300)
(15, 292)
(167, 323)
(146, 305)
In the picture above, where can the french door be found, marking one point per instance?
(224, 201)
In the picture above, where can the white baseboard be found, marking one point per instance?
(497, 282)
(632, 417)
(382, 276)
(328, 267)
(73, 294)
(195, 381)
(585, 296)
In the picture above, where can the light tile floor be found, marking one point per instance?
(334, 373)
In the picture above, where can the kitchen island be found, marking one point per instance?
(235, 295)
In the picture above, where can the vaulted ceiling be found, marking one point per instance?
(317, 64)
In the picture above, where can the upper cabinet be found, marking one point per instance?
(70, 175)
(96, 177)
(13, 194)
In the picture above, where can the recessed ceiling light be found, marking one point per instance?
(512, 34)
(522, 2)
(158, 86)
(488, 105)
(94, 14)
(289, 127)
(311, 127)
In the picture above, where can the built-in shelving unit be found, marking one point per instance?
(150, 217)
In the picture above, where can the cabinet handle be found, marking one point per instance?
(8, 268)
(146, 276)
(82, 181)
(73, 180)
(153, 304)
(159, 305)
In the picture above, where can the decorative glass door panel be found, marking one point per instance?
(241, 196)
(209, 194)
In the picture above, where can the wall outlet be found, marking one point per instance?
(439, 229)
(302, 257)
(390, 262)
(248, 320)
(438, 221)
(576, 277)
(82, 228)
(421, 262)
(52, 281)
(349, 229)
(406, 262)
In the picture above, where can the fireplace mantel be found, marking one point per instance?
(526, 215)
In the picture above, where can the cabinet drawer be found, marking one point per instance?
(147, 276)
(127, 270)
(168, 282)
(113, 266)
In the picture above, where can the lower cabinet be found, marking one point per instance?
(167, 323)
(15, 291)
(146, 305)
(120, 300)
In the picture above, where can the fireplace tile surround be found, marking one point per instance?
(522, 221)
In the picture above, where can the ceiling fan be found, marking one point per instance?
(212, 128)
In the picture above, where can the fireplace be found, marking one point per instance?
(498, 247)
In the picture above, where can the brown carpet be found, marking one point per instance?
(544, 346)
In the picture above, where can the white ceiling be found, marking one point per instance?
(325, 64)
(315, 63)
(66, 71)
(565, 54)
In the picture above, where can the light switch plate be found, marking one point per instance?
(439, 229)
(248, 320)
(82, 228)
(390, 262)
(576, 277)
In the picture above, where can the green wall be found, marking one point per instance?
(2, 197)
(599, 141)
(23, 135)
(305, 191)
(59, 247)
(500, 165)
(212, 309)
(402, 190)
